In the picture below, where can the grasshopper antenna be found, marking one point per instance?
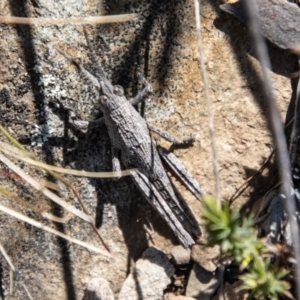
(93, 79)
(100, 71)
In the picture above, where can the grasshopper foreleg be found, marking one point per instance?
(78, 123)
(146, 92)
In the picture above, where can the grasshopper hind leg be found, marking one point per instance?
(179, 171)
(160, 205)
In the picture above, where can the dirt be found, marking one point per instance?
(162, 41)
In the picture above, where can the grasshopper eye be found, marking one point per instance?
(103, 99)
(118, 90)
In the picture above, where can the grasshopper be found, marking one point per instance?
(131, 140)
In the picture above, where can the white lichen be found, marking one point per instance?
(40, 134)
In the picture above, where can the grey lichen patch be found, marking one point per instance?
(51, 87)
(40, 135)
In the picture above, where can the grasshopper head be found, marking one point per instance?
(112, 96)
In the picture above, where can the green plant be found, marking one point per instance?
(237, 240)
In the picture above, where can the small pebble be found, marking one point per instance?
(180, 255)
(202, 284)
(98, 289)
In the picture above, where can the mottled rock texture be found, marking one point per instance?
(278, 20)
(150, 276)
(202, 283)
(162, 42)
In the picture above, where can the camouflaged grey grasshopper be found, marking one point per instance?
(131, 140)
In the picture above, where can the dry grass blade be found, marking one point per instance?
(18, 199)
(27, 292)
(56, 176)
(208, 103)
(51, 230)
(46, 183)
(50, 185)
(7, 258)
(13, 141)
(68, 21)
(44, 190)
(12, 151)
(13, 269)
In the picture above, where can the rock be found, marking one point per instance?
(180, 255)
(202, 284)
(150, 277)
(205, 256)
(178, 283)
(98, 289)
(179, 297)
(278, 19)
